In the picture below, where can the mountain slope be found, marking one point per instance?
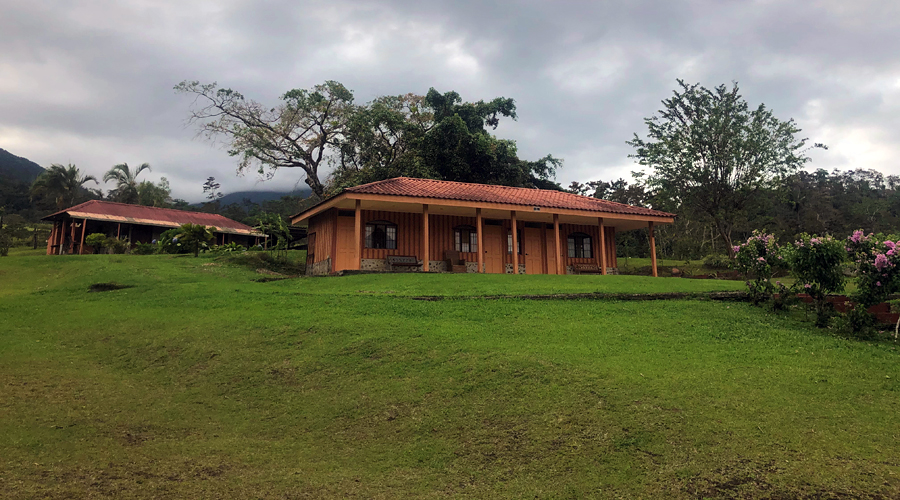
(261, 196)
(18, 168)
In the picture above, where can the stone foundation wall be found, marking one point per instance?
(609, 270)
(509, 268)
(320, 268)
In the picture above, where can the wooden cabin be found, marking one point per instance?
(430, 225)
(138, 224)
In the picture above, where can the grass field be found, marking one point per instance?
(199, 382)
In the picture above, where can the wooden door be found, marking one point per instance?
(345, 253)
(551, 251)
(494, 247)
(534, 252)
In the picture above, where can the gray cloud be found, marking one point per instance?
(91, 83)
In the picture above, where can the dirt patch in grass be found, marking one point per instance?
(107, 287)
(734, 296)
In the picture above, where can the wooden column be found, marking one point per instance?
(602, 249)
(515, 243)
(479, 224)
(652, 250)
(62, 237)
(83, 229)
(119, 231)
(425, 250)
(560, 264)
(358, 231)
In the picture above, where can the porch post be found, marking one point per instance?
(602, 249)
(119, 231)
(427, 254)
(560, 265)
(62, 236)
(83, 230)
(652, 250)
(515, 237)
(358, 230)
(478, 226)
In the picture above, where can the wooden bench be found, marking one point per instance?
(586, 269)
(398, 261)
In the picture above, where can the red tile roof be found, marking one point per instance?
(151, 216)
(462, 191)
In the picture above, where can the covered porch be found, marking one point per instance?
(359, 231)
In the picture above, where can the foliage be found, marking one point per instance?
(144, 249)
(711, 154)
(97, 241)
(101, 242)
(297, 133)
(126, 190)
(276, 229)
(193, 237)
(718, 261)
(229, 248)
(155, 195)
(65, 185)
(877, 267)
(817, 264)
(435, 136)
(169, 243)
(758, 259)
(211, 189)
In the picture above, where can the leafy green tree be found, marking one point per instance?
(155, 195)
(65, 185)
(300, 132)
(711, 154)
(193, 237)
(436, 136)
(276, 229)
(127, 187)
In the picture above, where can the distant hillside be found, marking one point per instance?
(18, 168)
(261, 196)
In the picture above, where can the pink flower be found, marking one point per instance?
(857, 236)
(877, 283)
(881, 262)
(890, 244)
(761, 259)
(807, 285)
(890, 252)
(848, 249)
(736, 249)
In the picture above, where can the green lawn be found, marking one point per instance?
(198, 382)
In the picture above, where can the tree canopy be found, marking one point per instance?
(437, 135)
(297, 133)
(710, 154)
(127, 188)
(64, 185)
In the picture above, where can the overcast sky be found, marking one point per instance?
(90, 82)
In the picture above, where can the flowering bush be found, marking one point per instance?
(817, 263)
(758, 259)
(877, 267)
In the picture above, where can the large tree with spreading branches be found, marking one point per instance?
(299, 132)
(711, 154)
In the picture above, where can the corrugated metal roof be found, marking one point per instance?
(485, 193)
(151, 216)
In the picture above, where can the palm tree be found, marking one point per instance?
(63, 184)
(126, 190)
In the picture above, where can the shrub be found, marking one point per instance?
(194, 237)
(144, 249)
(717, 261)
(229, 248)
(97, 241)
(877, 266)
(818, 264)
(168, 242)
(757, 260)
